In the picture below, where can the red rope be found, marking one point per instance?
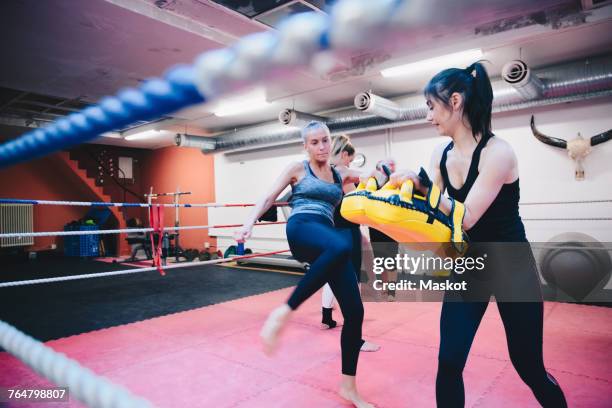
(156, 215)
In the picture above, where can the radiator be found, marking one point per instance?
(16, 218)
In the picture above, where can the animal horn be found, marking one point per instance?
(552, 141)
(602, 137)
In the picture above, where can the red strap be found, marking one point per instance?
(156, 215)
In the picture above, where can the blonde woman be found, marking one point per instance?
(312, 237)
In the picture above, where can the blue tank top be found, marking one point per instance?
(312, 195)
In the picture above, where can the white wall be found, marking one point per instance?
(546, 173)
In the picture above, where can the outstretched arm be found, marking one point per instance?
(288, 175)
(351, 176)
(355, 176)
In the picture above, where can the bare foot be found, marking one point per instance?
(369, 347)
(351, 395)
(273, 327)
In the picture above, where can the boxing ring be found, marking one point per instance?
(209, 356)
(82, 384)
(212, 74)
(206, 357)
(156, 360)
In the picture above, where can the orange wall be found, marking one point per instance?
(188, 169)
(163, 169)
(44, 179)
(83, 153)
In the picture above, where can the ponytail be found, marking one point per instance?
(341, 143)
(474, 85)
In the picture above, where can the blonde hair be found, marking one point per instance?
(341, 143)
(311, 127)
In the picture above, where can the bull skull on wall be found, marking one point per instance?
(577, 149)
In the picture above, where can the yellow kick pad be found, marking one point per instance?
(404, 215)
(353, 203)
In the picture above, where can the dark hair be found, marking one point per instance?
(475, 89)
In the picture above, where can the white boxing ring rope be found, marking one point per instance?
(101, 204)
(84, 385)
(126, 230)
(89, 388)
(136, 270)
(350, 25)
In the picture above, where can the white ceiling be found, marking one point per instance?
(88, 49)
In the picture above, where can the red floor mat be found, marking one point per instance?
(211, 357)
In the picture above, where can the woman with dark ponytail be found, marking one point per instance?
(480, 170)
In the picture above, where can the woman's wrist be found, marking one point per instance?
(424, 190)
(423, 183)
(381, 178)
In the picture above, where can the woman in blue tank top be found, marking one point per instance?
(481, 171)
(316, 191)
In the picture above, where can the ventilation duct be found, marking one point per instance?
(376, 105)
(577, 81)
(519, 76)
(291, 117)
(268, 134)
(271, 133)
(200, 142)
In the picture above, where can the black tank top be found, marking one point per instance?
(340, 221)
(501, 222)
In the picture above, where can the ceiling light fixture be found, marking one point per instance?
(147, 134)
(112, 135)
(244, 103)
(434, 64)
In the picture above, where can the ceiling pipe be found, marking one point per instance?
(520, 77)
(376, 105)
(200, 142)
(291, 117)
(576, 81)
(270, 133)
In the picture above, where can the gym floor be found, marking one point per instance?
(194, 346)
(55, 310)
(178, 115)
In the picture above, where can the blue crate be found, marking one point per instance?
(81, 245)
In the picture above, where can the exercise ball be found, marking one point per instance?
(577, 264)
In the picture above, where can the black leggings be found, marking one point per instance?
(514, 279)
(354, 234)
(313, 239)
(383, 246)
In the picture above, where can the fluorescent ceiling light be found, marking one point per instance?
(113, 135)
(147, 134)
(244, 103)
(456, 59)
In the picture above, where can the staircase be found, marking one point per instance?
(83, 172)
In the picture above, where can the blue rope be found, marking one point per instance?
(254, 57)
(16, 201)
(154, 98)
